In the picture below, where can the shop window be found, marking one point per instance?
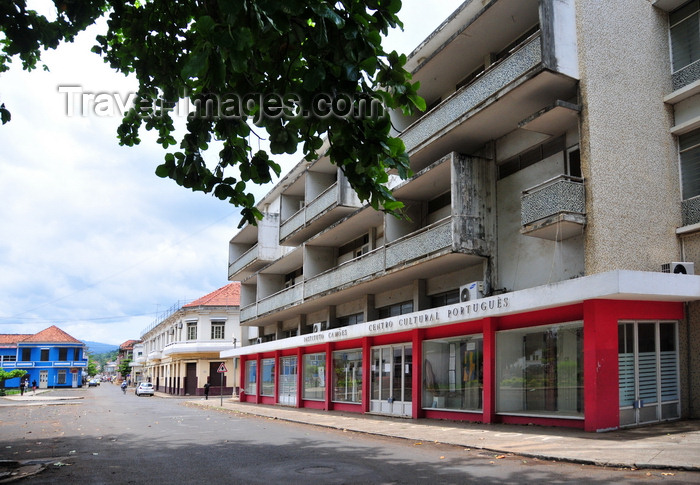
(395, 310)
(539, 371)
(251, 377)
(61, 377)
(267, 387)
(453, 374)
(314, 377)
(685, 35)
(44, 355)
(192, 331)
(689, 145)
(347, 376)
(217, 330)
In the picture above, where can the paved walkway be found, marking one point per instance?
(673, 445)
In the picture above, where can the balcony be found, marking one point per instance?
(330, 206)
(197, 347)
(155, 355)
(347, 274)
(442, 245)
(434, 238)
(471, 98)
(555, 209)
(245, 261)
(690, 209)
(282, 299)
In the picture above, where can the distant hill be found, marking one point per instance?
(99, 348)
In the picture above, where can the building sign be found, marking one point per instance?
(458, 312)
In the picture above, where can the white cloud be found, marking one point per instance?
(92, 240)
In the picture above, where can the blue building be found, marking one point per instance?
(51, 357)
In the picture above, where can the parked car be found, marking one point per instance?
(93, 383)
(144, 389)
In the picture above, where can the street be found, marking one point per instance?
(111, 438)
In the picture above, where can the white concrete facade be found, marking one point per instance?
(547, 168)
(181, 350)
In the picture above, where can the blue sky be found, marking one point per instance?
(92, 240)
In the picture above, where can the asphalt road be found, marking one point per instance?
(111, 438)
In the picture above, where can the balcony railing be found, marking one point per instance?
(155, 355)
(691, 211)
(282, 298)
(429, 240)
(469, 97)
(345, 274)
(325, 201)
(243, 260)
(554, 209)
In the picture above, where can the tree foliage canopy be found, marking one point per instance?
(292, 72)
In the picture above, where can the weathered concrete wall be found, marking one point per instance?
(628, 156)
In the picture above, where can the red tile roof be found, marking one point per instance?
(11, 339)
(52, 334)
(129, 344)
(229, 295)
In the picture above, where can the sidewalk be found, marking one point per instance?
(673, 445)
(43, 395)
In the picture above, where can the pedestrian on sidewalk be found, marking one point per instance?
(34, 387)
(206, 390)
(22, 385)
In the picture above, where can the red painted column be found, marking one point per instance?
(241, 373)
(489, 405)
(278, 369)
(417, 371)
(601, 398)
(300, 376)
(329, 376)
(366, 372)
(258, 379)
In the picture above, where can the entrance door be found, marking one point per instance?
(648, 369)
(190, 379)
(43, 379)
(75, 376)
(288, 381)
(392, 379)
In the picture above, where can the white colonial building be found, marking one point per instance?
(181, 350)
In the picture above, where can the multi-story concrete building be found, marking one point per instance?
(533, 277)
(181, 349)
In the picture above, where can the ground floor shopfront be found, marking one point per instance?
(592, 353)
(187, 376)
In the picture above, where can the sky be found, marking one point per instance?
(91, 240)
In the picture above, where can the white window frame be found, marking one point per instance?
(218, 329)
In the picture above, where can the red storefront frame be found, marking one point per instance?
(601, 380)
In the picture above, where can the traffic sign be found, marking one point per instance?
(222, 368)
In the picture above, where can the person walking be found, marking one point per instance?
(22, 385)
(206, 390)
(34, 387)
